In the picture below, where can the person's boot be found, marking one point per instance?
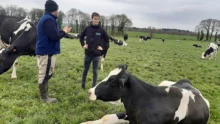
(43, 88)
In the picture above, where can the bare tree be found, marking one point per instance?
(11, 10)
(21, 12)
(112, 21)
(213, 27)
(36, 14)
(122, 22)
(198, 29)
(102, 20)
(217, 29)
(71, 17)
(106, 23)
(206, 25)
(60, 18)
(2, 10)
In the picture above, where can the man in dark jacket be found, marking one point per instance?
(97, 42)
(47, 46)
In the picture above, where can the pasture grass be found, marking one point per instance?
(153, 62)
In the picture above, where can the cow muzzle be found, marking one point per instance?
(91, 94)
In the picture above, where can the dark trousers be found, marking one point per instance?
(87, 62)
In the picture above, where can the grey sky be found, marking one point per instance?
(181, 14)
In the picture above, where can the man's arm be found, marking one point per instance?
(51, 31)
(82, 36)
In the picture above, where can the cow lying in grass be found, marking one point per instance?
(168, 103)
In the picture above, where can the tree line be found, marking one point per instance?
(208, 29)
(75, 18)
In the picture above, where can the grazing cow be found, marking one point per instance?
(210, 52)
(163, 40)
(125, 37)
(197, 45)
(145, 38)
(118, 42)
(175, 103)
(19, 35)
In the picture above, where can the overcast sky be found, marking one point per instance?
(180, 14)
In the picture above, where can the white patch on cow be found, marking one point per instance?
(1, 50)
(167, 89)
(28, 27)
(91, 91)
(26, 18)
(22, 26)
(183, 107)
(108, 119)
(181, 112)
(124, 44)
(166, 83)
(118, 102)
(14, 75)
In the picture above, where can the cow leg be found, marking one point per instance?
(102, 62)
(110, 119)
(14, 75)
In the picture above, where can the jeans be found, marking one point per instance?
(87, 62)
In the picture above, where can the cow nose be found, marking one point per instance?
(89, 93)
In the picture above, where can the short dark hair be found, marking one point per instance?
(95, 14)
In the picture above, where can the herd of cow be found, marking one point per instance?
(169, 103)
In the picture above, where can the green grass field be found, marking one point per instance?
(153, 62)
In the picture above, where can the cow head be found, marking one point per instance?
(7, 58)
(110, 89)
(203, 55)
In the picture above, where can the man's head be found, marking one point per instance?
(51, 7)
(95, 18)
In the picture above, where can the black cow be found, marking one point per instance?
(163, 40)
(19, 35)
(145, 38)
(178, 103)
(125, 37)
(197, 45)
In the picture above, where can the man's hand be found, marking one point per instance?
(67, 29)
(85, 46)
(100, 48)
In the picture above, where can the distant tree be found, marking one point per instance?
(102, 20)
(36, 14)
(21, 12)
(2, 10)
(60, 18)
(11, 10)
(122, 21)
(217, 29)
(112, 21)
(198, 30)
(202, 35)
(208, 25)
(106, 23)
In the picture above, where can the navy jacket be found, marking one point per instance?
(48, 35)
(95, 36)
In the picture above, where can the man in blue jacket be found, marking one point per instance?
(97, 42)
(47, 46)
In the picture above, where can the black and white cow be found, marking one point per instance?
(118, 42)
(19, 35)
(197, 45)
(69, 36)
(169, 103)
(210, 52)
(145, 38)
